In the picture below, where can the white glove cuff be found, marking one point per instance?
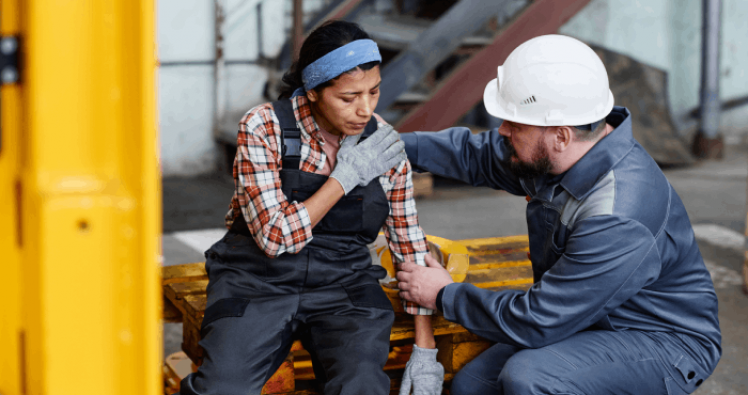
(346, 176)
(423, 354)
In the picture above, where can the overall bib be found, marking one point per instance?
(327, 295)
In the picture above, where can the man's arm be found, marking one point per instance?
(607, 261)
(478, 160)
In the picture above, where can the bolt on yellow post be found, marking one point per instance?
(79, 200)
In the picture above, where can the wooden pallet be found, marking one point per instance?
(495, 263)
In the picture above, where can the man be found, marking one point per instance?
(622, 302)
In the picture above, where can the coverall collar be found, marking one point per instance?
(599, 160)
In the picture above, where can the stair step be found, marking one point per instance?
(413, 97)
(396, 32)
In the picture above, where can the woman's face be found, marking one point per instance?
(345, 107)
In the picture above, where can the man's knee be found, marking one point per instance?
(524, 374)
(481, 375)
(464, 383)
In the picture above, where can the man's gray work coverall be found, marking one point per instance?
(622, 301)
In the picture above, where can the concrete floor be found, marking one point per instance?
(714, 194)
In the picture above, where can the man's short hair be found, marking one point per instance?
(586, 134)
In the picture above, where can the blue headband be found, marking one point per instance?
(339, 61)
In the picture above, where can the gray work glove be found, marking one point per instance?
(423, 373)
(358, 164)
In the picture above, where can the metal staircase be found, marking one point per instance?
(439, 55)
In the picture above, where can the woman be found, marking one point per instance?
(316, 179)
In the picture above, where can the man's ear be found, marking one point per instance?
(312, 95)
(563, 136)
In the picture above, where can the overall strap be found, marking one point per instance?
(371, 127)
(290, 134)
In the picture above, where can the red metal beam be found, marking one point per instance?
(297, 33)
(463, 89)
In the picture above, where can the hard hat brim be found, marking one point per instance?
(491, 100)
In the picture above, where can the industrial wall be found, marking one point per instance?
(203, 95)
(667, 34)
(203, 88)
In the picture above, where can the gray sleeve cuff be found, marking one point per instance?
(411, 148)
(447, 300)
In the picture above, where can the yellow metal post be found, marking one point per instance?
(11, 328)
(80, 153)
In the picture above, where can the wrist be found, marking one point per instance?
(424, 332)
(421, 354)
(439, 296)
(427, 344)
(346, 177)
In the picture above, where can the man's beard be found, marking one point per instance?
(539, 166)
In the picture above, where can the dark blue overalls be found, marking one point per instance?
(327, 295)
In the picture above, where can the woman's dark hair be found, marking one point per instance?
(323, 40)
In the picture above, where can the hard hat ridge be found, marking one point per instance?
(550, 80)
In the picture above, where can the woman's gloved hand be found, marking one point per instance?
(358, 164)
(423, 373)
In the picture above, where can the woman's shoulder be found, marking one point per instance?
(379, 119)
(264, 110)
(260, 118)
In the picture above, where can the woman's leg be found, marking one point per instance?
(347, 332)
(244, 343)
(247, 327)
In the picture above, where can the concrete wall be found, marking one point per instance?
(667, 34)
(199, 96)
(202, 97)
(186, 50)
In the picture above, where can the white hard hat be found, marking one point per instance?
(550, 80)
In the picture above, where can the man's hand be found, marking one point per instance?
(420, 284)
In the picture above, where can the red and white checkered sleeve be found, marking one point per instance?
(278, 226)
(405, 237)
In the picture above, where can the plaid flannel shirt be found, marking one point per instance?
(279, 226)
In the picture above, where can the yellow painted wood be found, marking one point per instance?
(12, 329)
(476, 245)
(481, 278)
(498, 268)
(179, 290)
(494, 284)
(451, 254)
(455, 254)
(184, 273)
(89, 175)
(498, 265)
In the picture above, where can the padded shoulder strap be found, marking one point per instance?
(290, 134)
